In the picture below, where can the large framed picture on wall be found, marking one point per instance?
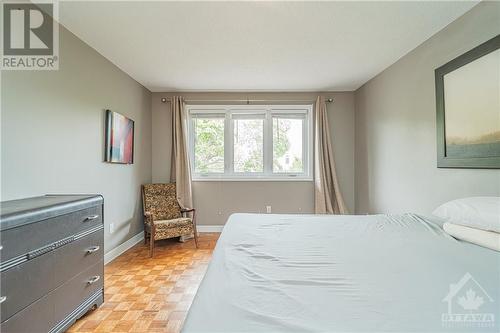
(468, 109)
(119, 138)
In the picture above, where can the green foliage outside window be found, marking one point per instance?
(209, 145)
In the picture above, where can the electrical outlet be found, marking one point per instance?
(111, 228)
(268, 209)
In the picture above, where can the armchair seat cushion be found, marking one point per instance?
(173, 228)
(173, 223)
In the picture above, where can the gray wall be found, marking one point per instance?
(53, 134)
(396, 126)
(216, 200)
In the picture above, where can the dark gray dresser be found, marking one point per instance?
(51, 261)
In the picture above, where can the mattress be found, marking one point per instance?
(317, 273)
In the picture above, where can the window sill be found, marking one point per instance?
(252, 179)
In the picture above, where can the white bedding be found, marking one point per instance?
(310, 273)
(489, 239)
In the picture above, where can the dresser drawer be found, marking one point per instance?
(37, 318)
(26, 283)
(71, 294)
(29, 237)
(54, 307)
(77, 256)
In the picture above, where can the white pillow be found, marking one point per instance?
(477, 212)
(488, 239)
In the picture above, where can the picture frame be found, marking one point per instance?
(468, 109)
(119, 138)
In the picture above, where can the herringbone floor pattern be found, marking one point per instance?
(150, 295)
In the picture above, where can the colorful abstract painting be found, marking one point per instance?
(119, 138)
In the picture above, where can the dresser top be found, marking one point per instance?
(15, 213)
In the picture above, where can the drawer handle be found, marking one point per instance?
(93, 279)
(1, 247)
(3, 299)
(93, 249)
(90, 218)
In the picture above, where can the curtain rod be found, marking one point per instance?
(247, 101)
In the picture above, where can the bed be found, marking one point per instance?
(376, 273)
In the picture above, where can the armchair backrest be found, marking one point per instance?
(161, 201)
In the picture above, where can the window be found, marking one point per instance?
(209, 144)
(287, 143)
(248, 143)
(241, 142)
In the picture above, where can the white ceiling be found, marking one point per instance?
(256, 46)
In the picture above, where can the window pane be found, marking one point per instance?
(209, 145)
(248, 145)
(287, 145)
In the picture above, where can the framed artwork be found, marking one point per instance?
(119, 138)
(468, 109)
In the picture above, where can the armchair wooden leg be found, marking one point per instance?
(194, 229)
(195, 237)
(152, 242)
(145, 237)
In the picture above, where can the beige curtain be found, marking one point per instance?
(327, 196)
(180, 170)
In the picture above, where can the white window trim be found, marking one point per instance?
(269, 110)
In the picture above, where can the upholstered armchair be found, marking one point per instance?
(163, 216)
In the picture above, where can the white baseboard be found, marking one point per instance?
(209, 228)
(111, 255)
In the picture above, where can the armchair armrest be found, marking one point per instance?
(185, 211)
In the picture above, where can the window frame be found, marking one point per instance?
(268, 110)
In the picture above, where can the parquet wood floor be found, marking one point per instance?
(150, 295)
